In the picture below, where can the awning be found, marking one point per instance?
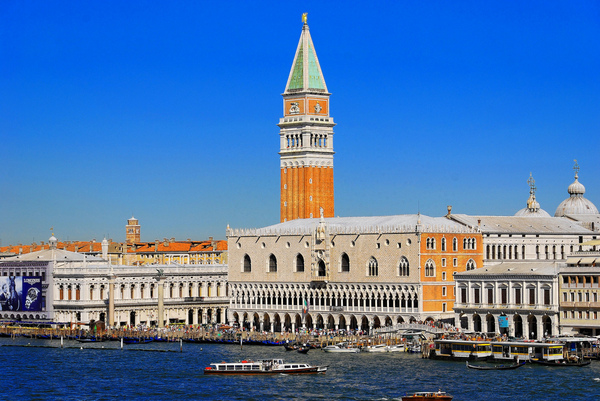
(573, 261)
(587, 261)
(592, 242)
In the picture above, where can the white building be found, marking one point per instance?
(76, 289)
(523, 295)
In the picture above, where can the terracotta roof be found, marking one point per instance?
(178, 246)
(142, 247)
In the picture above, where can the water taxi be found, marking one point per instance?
(262, 367)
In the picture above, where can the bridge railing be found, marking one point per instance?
(409, 326)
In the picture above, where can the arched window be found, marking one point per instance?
(443, 244)
(322, 272)
(465, 244)
(430, 243)
(299, 263)
(272, 264)
(373, 267)
(91, 292)
(345, 263)
(429, 268)
(471, 265)
(61, 292)
(403, 267)
(247, 264)
(454, 244)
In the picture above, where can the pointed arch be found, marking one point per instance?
(345, 263)
(403, 267)
(299, 263)
(373, 267)
(272, 264)
(247, 264)
(429, 268)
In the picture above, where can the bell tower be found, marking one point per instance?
(306, 138)
(132, 231)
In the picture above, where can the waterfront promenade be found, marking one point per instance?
(200, 334)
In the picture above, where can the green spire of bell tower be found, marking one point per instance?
(306, 74)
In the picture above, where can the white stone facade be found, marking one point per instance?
(526, 293)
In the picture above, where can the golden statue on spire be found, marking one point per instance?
(304, 15)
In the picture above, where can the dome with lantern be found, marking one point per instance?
(533, 208)
(576, 203)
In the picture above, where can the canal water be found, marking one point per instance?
(41, 370)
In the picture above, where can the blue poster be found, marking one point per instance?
(32, 293)
(503, 321)
(18, 293)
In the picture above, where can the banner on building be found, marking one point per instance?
(21, 293)
(503, 322)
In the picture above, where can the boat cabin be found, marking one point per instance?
(462, 349)
(525, 351)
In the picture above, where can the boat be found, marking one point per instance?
(461, 349)
(375, 348)
(290, 347)
(426, 395)
(396, 348)
(303, 349)
(90, 340)
(341, 347)
(496, 367)
(263, 367)
(131, 340)
(563, 363)
(384, 348)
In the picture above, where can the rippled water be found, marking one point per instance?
(158, 371)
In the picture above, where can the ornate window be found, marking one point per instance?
(429, 268)
(272, 264)
(454, 244)
(443, 244)
(403, 268)
(247, 264)
(471, 265)
(373, 267)
(299, 263)
(430, 243)
(345, 263)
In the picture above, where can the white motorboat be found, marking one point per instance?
(376, 348)
(396, 348)
(384, 348)
(341, 347)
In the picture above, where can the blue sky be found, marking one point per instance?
(167, 110)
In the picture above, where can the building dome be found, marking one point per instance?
(533, 208)
(53, 242)
(575, 203)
